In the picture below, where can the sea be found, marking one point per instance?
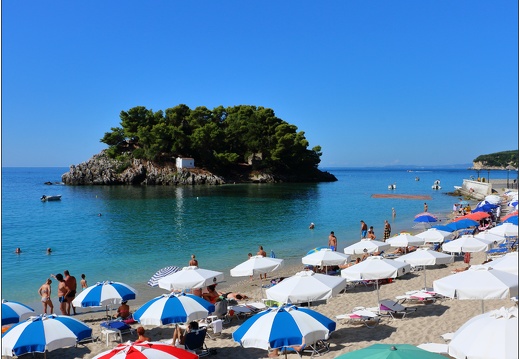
(127, 233)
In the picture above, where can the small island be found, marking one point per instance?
(181, 146)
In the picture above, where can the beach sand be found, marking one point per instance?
(425, 325)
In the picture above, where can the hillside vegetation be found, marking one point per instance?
(498, 159)
(220, 140)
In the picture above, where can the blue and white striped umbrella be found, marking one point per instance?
(283, 327)
(104, 293)
(161, 273)
(41, 333)
(172, 308)
(13, 312)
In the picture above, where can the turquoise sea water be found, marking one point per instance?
(143, 229)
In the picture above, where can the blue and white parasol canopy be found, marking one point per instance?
(104, 293)
(41, 333)
(283, 327)
(13, 312)
(173, 308)
(161, 273)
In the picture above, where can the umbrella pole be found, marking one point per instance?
(378, 305)
(424, 269)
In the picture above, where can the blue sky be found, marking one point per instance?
(373, 83)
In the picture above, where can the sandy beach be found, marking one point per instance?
(425, 325)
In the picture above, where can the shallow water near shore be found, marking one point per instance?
(127, 233)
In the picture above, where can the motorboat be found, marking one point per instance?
(46, 198)
(392, 186)
(436, 184)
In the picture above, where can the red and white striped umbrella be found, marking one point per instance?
(146, 350)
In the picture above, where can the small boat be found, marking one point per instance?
(51, 198)
(392, 186)
(436, 184)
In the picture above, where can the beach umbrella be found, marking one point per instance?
(405, 240)
(104, 293)
(43, 333)
(191, 277)
(434, 235)
(306, 287)
(478, 282)
(512, 219)
(14, 312)
(425, 214)
(490, 237)
(505, 230)
(173, 308)
(366, 246)
(256, 265)
(488, 207)
(493, 199)
(493, 334)
(507, 263)
(161, 273)
(425, 257)
(326, 257)
(317, 249)
(515, 213)
(445, 228)
(466, 243)
(146, 350)
(463, 223)
(283, 327)
(426, 218)
(375, 268)
(476, 216)
(391, 351)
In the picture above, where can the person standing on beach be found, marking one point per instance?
(333, 241)
(45, 294)
(63, 291)
(364, 229)
(425, 207)
(70, 281)
(83, 282)
(387, 231)
(262, 253)
(193, 262)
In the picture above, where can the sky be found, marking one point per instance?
(374, 83)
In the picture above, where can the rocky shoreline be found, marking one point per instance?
(103, 170)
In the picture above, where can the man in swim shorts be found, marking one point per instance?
(333, 241)
(364, 229)
(70, 281)
(63, 291)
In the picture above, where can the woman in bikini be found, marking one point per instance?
(45, 294)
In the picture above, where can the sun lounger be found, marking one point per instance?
(394, 309)
(361, 315)
(418, 296)
(447, 336)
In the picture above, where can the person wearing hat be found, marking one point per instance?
(123, 312)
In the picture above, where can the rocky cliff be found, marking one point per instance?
(102, 170)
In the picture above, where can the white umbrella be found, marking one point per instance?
(490, 335)
(490, 237)
(256, 265)
(405, 240)
(306, 287)
(434, 235)
(190, 277)
(493, 199)
(326, 257)
(466, 243)
(425, 257)
(478, 282)
(366, 246)
(505, 230)
(375, 268)
(507, 263)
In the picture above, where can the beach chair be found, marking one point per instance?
(394, 309)
(361, 315)
(194, 341)
(116, 328)
(418, 296)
